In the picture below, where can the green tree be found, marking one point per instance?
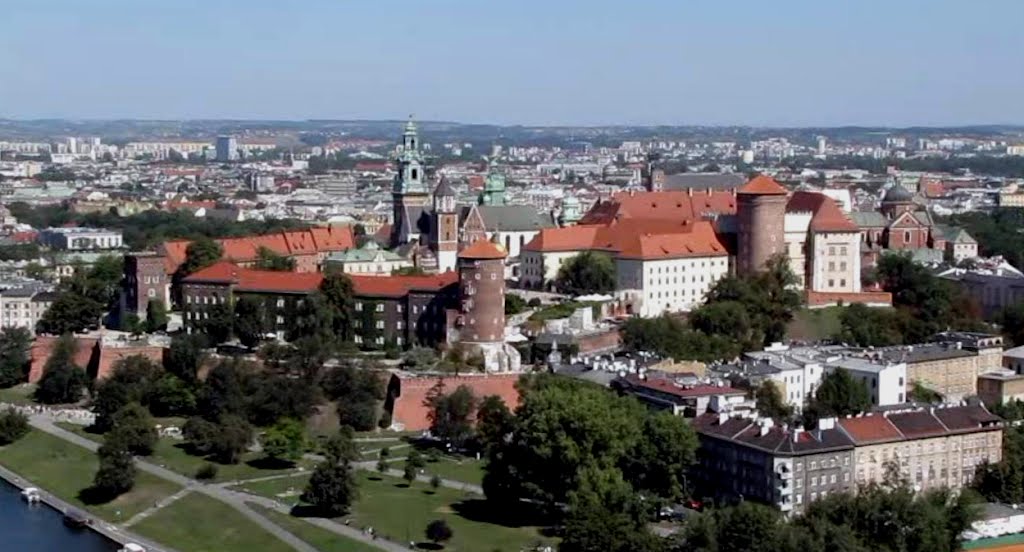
(586, 273)
(331, 488)
(494, 422)
(358, 394)
(270, 260)
(770, 402)
(233, 437)
(132, 380)
(185, 355)
(514, 304)
(135, 429)
(225, 390)
(200, 254)
(438, 531)
(285, 440)
(251, 320)
(170, 396)
(839, 394)
(408, 473)
(606, 514)
(62, 381)
(70, 312)
(871, 327)
(451, 415)
(116, 473)
(156, 316)
(660, 460)
(218, 324)
(336, 289)
(13, 426)
(342, 446)
(728, 319)
(14, 356)
(274, 398)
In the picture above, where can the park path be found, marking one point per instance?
(232, 498)
(156, 507)
(371, 465)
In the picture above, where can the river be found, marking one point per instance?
(39, 528)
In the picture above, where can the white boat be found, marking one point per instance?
(31, 495)
(132, 547)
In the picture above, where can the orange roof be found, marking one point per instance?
(397, 286)
(248, 279)
(762, 185)
(677, 206)
(827, 216)
(483, 249)
(634, 239)
(868, 429)
(288, 243)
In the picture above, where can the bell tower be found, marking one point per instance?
(408, 192)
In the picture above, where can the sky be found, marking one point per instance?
(553, 62)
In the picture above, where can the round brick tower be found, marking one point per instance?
(761, 213)
(482, 292)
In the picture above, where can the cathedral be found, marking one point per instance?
(429, 228)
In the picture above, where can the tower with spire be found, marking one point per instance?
(409, 191)
(494, 187)
(444, 236)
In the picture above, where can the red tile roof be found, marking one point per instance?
(252, 280)
(634, 239)
(676, 206)
(483, 249)
(826, 214)
(762, 185)
(410, 411)
(870, 428)
(287, 242)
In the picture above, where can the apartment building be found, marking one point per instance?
(23, 307)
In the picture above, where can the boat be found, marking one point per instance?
(132, 547)
(31, 495)
(76, 519)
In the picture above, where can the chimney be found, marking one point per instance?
(723, 417)
(689, 192)
(797, 431)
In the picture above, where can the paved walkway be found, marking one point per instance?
(158, 506)
(234, 499)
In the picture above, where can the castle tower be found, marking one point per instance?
(409, 192)
(654, 178)
(482, 309)
(444, 237)
(761, 213)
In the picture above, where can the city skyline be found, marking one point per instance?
(798, 64)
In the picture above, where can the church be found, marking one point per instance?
(429, 227)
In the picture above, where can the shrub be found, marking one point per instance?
(206, 472)
(13, 426)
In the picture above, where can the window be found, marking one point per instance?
(842, 251)
(280, 303)
(831, 266)
(906, 236)
(814, 481)
(359, 306)
(380, 307)
(380, 324)
(831, 250)
(842, 265)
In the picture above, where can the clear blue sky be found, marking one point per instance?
(756, 62)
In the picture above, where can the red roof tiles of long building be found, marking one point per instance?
(634, 239)
(251, 280)
(287, 242)
(676, 206)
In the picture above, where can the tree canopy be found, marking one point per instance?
(586, 273)
(62, 381)
(14, 356)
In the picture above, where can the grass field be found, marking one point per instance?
(65, 470)
(815, 324)
(401, 513)
(171, 454)
(285, 489)
(20, 395)
(466, 470)
(198, 523)
(318, 538)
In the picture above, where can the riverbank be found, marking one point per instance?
(112, 533)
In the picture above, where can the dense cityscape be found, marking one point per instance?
(244, 306)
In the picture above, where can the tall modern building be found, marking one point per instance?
(227, 149)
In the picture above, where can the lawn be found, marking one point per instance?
(318, 538)
(171, 454)
(815, 324)
(19, 395)
(198, 523)
(466, 470)
(401, 514)
(285, 489)
(65, 469)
